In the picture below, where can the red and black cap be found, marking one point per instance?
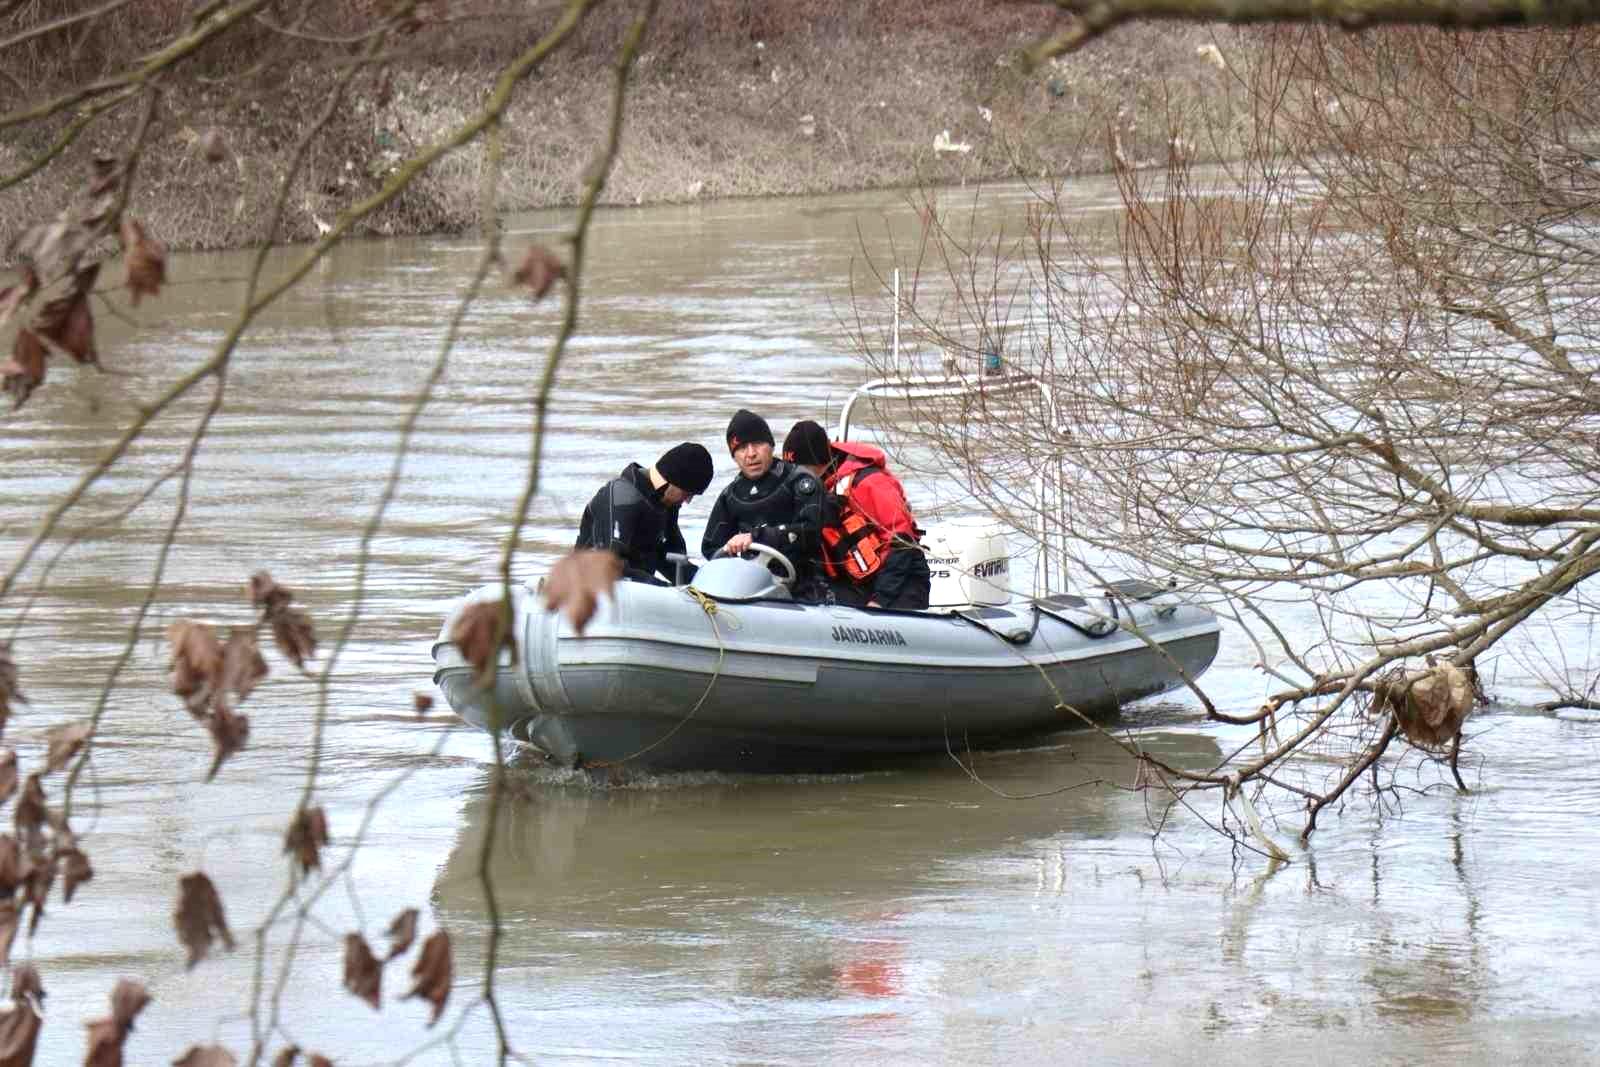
(747, 426)
(807, 443)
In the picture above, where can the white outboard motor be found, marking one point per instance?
(971, 563)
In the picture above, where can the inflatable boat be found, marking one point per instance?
(731, 674)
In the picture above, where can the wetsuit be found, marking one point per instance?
(782, 509)
(628, 517)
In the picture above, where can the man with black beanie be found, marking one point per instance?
(772, 503)
(635, 514)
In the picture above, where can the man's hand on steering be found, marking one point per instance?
(737, 544)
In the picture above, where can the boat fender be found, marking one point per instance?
(1098, 626)
(1017, 636)
(1148, 592)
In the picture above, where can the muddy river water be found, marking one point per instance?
(912, 915)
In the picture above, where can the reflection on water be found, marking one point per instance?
(604, 856)
(909, 916)
(917, 917)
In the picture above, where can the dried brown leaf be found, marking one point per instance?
(267, 594)
(105, 1043)
(319, 1060)
(37, 890)
(106, 1036)
(292, 630)
(286, 1057)
(8, 774)
(578, 580)
(30, 813)
(475, 632)
(206, 1056)
(401, 933)
(26, 984)
(10, 921)
(229, 732)
(19, 1032)
(146, 261)
(198, 916)
(128, 999)
(13, 297)
(9, 691)
(13, 869)
(65, 741)
(363, 974)
(75, 870)
(1430, 705)
(24, 371)
(307, 834)
(422, 703)
(68, 323)
(242, 665)
(539, 271)
(434, 971)
(196, 662)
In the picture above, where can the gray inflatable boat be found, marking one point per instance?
(731, 674)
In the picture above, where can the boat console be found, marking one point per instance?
(731, 578)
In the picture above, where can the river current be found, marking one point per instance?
(916, 915)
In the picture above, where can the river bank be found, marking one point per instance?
(710, 117)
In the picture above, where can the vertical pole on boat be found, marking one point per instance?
(1061, 516)
(1041, 574)
(894, 344)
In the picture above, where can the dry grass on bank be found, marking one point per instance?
(729, 99)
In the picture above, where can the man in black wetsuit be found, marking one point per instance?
(635, 514)
(773, 503)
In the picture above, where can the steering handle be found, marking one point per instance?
(767, 555)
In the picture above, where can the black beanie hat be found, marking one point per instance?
(687, 466)
(807, 443)
(747, 426)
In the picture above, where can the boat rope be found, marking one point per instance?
(714, 611)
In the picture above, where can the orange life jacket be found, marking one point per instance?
(854, 546)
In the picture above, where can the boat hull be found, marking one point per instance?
(663, 680)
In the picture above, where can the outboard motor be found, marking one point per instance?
(971, 563)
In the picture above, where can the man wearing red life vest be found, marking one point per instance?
(869, 536)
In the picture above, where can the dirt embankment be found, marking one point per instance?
(725, 115)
